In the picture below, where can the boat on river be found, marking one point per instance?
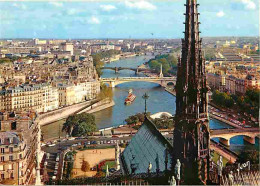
(130, 98)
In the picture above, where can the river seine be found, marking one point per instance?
(159, 101)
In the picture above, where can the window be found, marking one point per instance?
(20, 156)
(11, 149)
(13, 126)
(1, 167)
(10, 167)
(3, 176)
(2, 158)
(2, 150)
(12, 175)
(11, 158)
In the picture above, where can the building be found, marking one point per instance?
(230, 84)
(36, 97)
(216, 81)
(78, 92)
(19, 135)
(191, 133)
(39, 42)
(68, 47)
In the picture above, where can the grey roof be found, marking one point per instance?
(7, 138)
(147, 146)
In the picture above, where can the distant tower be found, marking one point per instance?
(117, 156)
(191, 133)
(161, 73)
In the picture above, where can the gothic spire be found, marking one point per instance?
(190, 75)
(191, 132)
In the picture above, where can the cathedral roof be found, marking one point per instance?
(148, 146)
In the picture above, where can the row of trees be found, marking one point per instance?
(168, 62)
(136, 119)
(68, 164)
(98, 57)
(248, 103)
(80, 125)
(161, 123)
(105, 92)
(5, 60)
(222, 99)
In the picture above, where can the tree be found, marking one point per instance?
(168, 62)
(252, 156)
(79, 125)
(85, 167)
(105, 92)
(5, 60)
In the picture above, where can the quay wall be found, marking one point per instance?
(62, 113)
(223, 151)
(224, 121)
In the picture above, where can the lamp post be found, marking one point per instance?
(145, 97)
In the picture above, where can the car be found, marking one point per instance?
(51, 145)
(74, 145)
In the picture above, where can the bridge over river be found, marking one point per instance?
(225, 135)
(163, 81)
(136, 70)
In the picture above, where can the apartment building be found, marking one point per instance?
(19, 137)
(77, 92)
(37, 97)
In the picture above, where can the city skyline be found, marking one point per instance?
(124, 19)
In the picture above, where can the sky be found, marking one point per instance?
(124, 19)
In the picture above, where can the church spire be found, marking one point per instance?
(191, 133)
(191, 73)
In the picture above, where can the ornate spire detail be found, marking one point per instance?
(191, 78)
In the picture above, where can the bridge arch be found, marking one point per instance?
(225, 139)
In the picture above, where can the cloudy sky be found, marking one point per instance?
(124, 18)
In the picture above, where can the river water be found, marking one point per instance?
(159, 101)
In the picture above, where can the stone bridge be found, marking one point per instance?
(136, 70)
(163, 81)
(225, 135)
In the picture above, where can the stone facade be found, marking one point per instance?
(19, 136)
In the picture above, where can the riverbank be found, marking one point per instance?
(63, 113)
(211, 115)
(224, 121)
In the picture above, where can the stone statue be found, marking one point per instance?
(177, 171)
(220, 168)
(220, 165)
(231, 178)
(150, 167)
(172, 181)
